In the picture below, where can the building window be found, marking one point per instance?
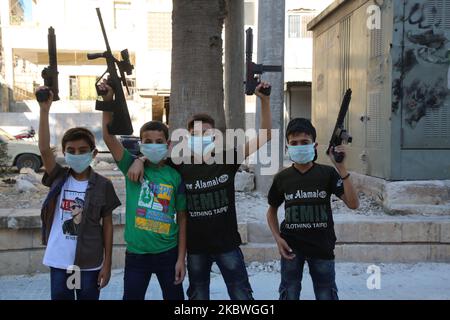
(122, 15)
(73, 88)
(19, 11)
(82, 87)
(159, 30)
(131, 83)
(294, 26)
(305, 20)
(298, 26)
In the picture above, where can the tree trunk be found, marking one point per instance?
(234, 65)
(197, 71)
(271, 18)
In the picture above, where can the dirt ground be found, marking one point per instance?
(11, 198)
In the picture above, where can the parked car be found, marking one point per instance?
(22, 153)
(131, 143)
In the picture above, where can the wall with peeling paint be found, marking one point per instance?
(400, 110)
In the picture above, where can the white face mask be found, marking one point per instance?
(155, 152)
(201, 145)
(302, 154)
(79, 162)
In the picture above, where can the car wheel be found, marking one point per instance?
(28, 161)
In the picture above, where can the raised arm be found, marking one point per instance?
(266, 123)
(113, 144)
(48, 158)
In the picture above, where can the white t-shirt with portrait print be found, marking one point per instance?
(62, 242)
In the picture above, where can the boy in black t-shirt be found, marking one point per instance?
(307, 232)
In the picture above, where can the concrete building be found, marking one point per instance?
(394, 55)
(23, 52)
(23, 48)
(293, 98)
(298, 56)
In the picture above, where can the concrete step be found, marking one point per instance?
(368, 252)
(360, 239)
(429, 197)
(21, 251)
(15, 262)
(374, 229)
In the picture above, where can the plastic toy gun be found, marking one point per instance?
(121, 122)
(50, 74)
(254, 71)
(340, 135)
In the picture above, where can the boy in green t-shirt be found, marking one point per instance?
(155, 228)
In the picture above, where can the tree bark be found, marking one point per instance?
(197, 71)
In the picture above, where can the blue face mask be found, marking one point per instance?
(201, 144)
(302, 154)
(155, 152)
(79, 162)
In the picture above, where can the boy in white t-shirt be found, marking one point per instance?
(76, 215)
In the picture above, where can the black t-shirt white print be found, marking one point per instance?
(308, 225)
(210, 197)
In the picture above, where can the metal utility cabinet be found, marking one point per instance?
(399, 116)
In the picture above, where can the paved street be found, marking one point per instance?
(398, 281)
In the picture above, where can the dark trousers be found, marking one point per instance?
(62, 290)
(322, 273)
(232, 267)
(139, 269)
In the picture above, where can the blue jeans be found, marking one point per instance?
(232, 267)
(88, 285)
(139, 269)
(322, 273)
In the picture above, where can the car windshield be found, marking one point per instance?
(6, 136)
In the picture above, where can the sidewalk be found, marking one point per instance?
(398, 282)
